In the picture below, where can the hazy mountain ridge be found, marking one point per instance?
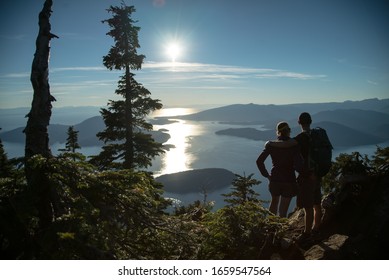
(367, 121)
(86, 136)
(15, 117)
(264, 113)
(12, 118)
(340, 135)
(349, 123)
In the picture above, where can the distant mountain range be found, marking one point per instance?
(340, 135)
(368, 121)
(268, 114)
(87, 131)
(349, 123)
(15, 117)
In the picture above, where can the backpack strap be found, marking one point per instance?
(310, 161)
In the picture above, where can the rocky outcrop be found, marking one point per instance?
(355, 225)
(329, 249)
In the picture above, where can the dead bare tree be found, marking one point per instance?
(37, 138)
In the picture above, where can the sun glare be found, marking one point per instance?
(177, 159)
(173, 50)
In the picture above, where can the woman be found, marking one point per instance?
(282, 178)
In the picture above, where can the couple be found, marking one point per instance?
(290, 155)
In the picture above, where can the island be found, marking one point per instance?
(197, 180)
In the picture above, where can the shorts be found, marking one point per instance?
(283, 189)
(309, 192)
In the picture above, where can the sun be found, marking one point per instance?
(173, 50)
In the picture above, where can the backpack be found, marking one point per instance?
(320, 151)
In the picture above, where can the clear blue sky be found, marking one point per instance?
(232, 51)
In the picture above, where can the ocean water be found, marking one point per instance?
(197, 146)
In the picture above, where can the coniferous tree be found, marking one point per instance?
(380, 161)
(72, 141)
(5, 166)
(241, 229)
(127, 144)
(242, 190)
(72, 145)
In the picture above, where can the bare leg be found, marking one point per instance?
(284, 205)
(308, 219)
(274, 204)
(317, 216)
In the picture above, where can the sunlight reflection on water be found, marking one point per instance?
(177, 158)
(170, 112)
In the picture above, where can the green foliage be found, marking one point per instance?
(355, 164)
(345, 164)
(196, 211)
(242, 190)
(122, 214)
(125, 35)
(143, 147)
(241, 229)
(97, 214)
(16, 210)
(380, 161)
(239, 232)
(5, 166)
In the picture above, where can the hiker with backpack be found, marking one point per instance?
(282, 178)
(316, 150)
(308, 184)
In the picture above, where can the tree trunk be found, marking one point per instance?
(37, 138)
(129, 144)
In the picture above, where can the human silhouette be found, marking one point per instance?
(282, 178)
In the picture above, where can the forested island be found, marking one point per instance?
(198, 180)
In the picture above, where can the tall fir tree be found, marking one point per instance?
(127, 143)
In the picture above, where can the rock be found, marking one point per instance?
(285, 243)
(329, 249)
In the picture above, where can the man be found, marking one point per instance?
(309, 196)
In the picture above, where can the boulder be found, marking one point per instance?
(330, 249)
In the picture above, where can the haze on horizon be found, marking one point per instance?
(206, 51)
